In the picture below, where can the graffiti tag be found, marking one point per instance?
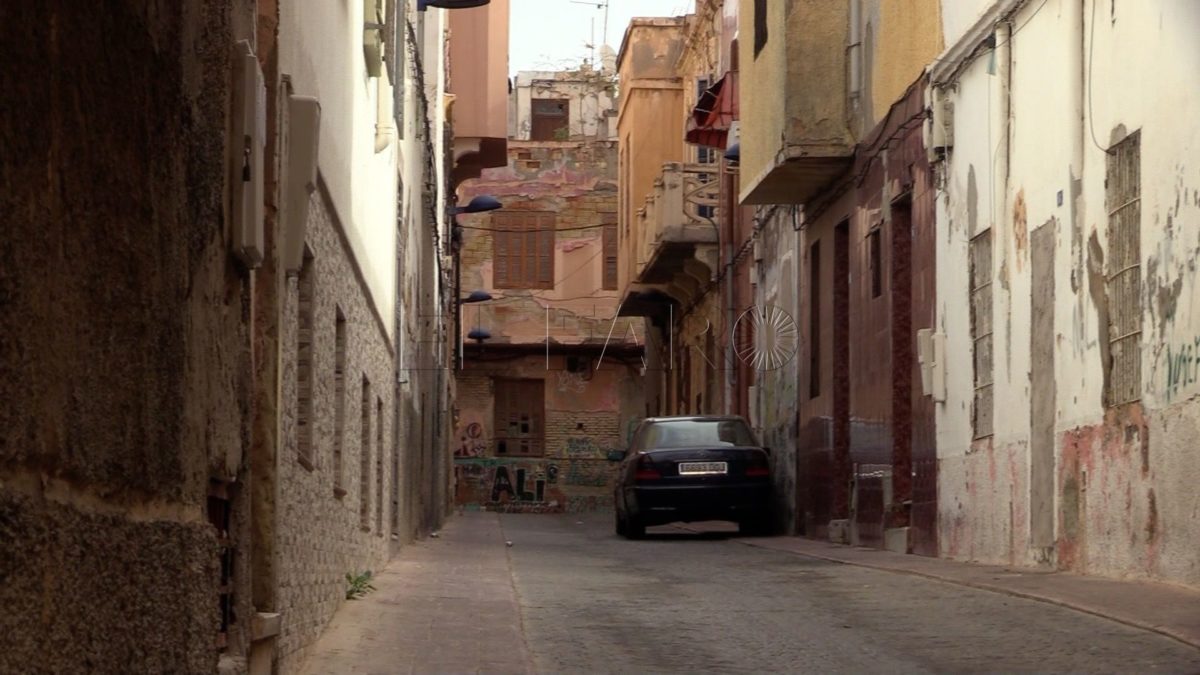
(1183, 366)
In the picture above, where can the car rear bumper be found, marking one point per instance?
(676, 503)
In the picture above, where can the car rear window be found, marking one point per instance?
(692, 433)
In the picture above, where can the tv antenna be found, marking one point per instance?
(598, 4)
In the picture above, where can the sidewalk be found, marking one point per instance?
(1169, 610)
(444, 605)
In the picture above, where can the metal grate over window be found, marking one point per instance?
(1123, 275)
(981, 331)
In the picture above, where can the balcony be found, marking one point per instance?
(794, 136)
(479, 83)
(673, 251)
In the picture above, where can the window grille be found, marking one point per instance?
(1123, 275)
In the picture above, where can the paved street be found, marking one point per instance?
(568, 596)
(682, 602)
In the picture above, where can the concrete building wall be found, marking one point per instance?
(777, 390)
(124, 325)
(649, 124)
(590, 95)
(320, 48)
(1113, 475)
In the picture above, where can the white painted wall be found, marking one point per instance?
(323, 56)
(1139, 516)
(588, 103)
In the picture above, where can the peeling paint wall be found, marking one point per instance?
(590, 95)
(586, 416)
(590, 381)
(1030, 161)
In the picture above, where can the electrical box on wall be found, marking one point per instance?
(304, 130)
(941, 126)
(247, 144)
(931, 348)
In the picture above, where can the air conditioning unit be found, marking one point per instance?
(247, 145)
(304, 131)
(373, 36)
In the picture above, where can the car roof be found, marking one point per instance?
(695, 418)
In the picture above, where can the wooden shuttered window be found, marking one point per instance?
(523, 250)
(520, 417)
(610, 253)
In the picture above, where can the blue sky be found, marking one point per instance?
(553, 34)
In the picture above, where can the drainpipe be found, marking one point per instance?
(729, 365)
(385, 127)
(1004, 74)
(854, 86)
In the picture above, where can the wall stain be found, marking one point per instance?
(1020, 227)
(1099, 296)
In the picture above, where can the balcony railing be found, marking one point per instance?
(682, 209)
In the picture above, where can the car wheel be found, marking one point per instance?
(622, 526)
(758, 527)
(635, 528)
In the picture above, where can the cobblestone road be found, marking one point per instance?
(679, 602)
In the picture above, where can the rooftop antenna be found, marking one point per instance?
(599, 4)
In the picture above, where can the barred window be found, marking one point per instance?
(981, 331)
(1123, 275)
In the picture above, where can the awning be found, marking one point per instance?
(716, 109)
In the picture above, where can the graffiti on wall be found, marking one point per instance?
(571, 383)
(1183, 366)
(508, 485)
(471, 442)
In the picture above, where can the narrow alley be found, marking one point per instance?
(570, 597)
(557, 336)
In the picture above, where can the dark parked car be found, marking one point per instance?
(685, 469)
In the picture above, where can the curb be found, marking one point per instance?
(1189, 640)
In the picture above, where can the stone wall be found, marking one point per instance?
(123, 335)
(321, 532)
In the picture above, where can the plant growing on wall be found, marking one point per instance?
(358, 585)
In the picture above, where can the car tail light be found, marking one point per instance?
(758, 468)
(646, 470)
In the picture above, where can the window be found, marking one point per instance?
(609, 241)
(760, 26)
(1123, 276)
(219, 511)
(814, 320)
(875, 244)
(304, 363)
(339, 400)
(519, 415)
(364, 456)
(692, 433)
(981, 330)
(379, 466)
(704, 154)
(523, 250)
(550, 119)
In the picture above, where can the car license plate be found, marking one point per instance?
(696, 468)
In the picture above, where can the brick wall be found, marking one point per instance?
(322, 535)
(584, 419)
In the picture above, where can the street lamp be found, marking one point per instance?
(478, 204)
(450, 4)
